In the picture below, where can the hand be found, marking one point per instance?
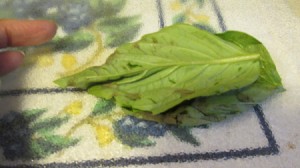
(14, 33)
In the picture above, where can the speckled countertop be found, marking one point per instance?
(45, 126)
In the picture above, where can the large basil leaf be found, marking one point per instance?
(206, 110)
(165, 68)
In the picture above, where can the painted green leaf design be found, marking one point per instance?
(105, 8)
(184, 134)
(206, 27)
(72, 42)
(33, 114)
(130, 138)
(103, 107)
(165, 68)
(200, 3)
(119, 30)
(179, 18)
(23, 135)
(6, 13)
(48, 124)
(135, 140)
(49, 144)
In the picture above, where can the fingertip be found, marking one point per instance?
(44, 30)
(49, 27)
(9, 61)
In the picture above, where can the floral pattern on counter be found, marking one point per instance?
(188, 12)
(28, 135)
(82, 24)
(87, 29)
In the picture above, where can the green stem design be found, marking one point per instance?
(77, 125)
(91, 121)
(94, 56)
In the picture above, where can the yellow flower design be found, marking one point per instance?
(190, 11)
(104, 134)
(69, 61)
(201, 18)
(74, 108)
(42, 57)
(176, 5)
(45, 60)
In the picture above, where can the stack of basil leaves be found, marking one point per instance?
(184, 75)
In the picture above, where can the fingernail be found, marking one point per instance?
(21, 52)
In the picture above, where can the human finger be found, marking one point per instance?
(9, 61)
(25, 32)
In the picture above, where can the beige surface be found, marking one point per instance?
(295, 6)
(276, 23)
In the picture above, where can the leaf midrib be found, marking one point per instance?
(241, 58)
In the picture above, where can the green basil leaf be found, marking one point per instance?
(165, 68)
(269, 81)
(219, 107)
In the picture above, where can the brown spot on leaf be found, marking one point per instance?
(172, 81)
(154, 40)
(184, 92)
(153, 101)
(133, 96)
(136, 45)
(132, 65)
(244, 98)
